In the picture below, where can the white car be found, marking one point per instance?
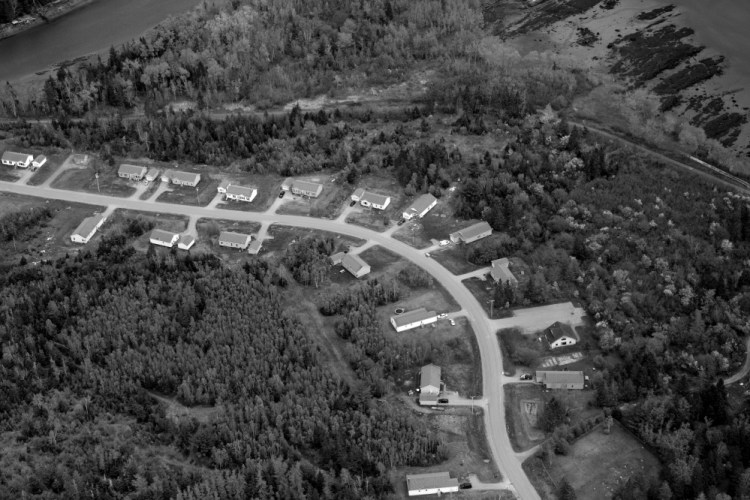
(442, 315)
(453, 323)
(444, 243)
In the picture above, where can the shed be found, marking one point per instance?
(254, 247)
(186, 241)
(39, 161)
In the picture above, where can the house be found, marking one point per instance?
(167, 175)
(222, 189)
(560, 334)
(355, 265)
(163, 238)
(357, 194)
(420, 207)
(286, 185)
(132, 172)
(241, 193)
(337, 258)
(501, 272)
(429, 384)
(472, 233)
(413, 319)
(560, 380)
(186, 241)
(87, 228)
(433, 483)
(39, 161)
(184, 178)
(306, 188)
(374, 200)
(152, 174)
(234, 240)
(20, 160)
(254, 247)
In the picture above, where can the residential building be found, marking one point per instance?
(429, 384)
(39, 161)
(286, 184)
(560, 334)
(560, 379)
(433, 483)
(374, 200)
(152, 174)
(501, 272)
(186, 241)
(472, 233)
(132, 172)
(20, 160)
(87, 228)
(355, 265)
(254, 247)
(234, 240)
(420, 207)
(337, 258)
(413, 319)
(241, 193)
(184, 178)
(222, 189)
(163, 238)
(306, 188)
(167, 175)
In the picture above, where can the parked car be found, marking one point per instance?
(443, 401)
(526, 376)
(281, 194)
(453, 323)
(442, 315)
(400, 222)
(444, 243)
(427, 254)
(352, 203)
(465, 486)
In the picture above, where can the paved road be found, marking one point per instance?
(745, 368)
(492, 365)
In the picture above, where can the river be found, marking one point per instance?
(89, 29)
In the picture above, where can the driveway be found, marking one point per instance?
(479, 273)
(66, 165)
(163, 186)
(534, 319)
(491, 359)
(277, 203)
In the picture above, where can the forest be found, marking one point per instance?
(13, 9)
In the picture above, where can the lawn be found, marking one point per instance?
(523, 435)
(167, 222)
(452, 257)
(411, 233)
(374, 219)
(200, 195)
(268, 187)
(381, 259)
(84, 179)
(598, 463)
(519, 350)
(54, 161)
(483, 291)
(9, 174)
(279, 237)
(328, 205)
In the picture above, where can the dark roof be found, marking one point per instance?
(558, 330)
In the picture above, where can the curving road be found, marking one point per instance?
(492, 365)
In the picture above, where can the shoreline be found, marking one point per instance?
(50, 14)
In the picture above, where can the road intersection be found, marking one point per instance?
(484, 328)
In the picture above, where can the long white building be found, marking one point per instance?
(413, 319)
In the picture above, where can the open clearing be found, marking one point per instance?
(84, 179)
(597, 464)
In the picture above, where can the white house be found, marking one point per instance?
(184, 178)
(433, 483)
(21, 160)
(420, 207)
(357, 194)
(355, 265)
(186, 242)
(132, 172)
(152, 174)
(429, 384)
(241, 193)
(559, 335)
(413, 319)
(472, 233)
(39, 161)
(254, 247)
(222, 188)
(87, 228)
(501, 272)
(163, 238)
(306, 188)
(375, 200)
(234, 240)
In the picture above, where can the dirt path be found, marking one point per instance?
(745, 367)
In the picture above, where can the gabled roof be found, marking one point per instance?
(474, 230)
(162, 235)
(255, 246)
(358, 193)
(306, 185)
(337, 258)
(232, 237)
(225, 184)
(131, 169)
(374, 198)
(559, 377)
(240, 190)
(186, 240)
(88, 225)
(16, 157)
(501, 272)
(413, 316)
(153, 172)
(40, 158)
(353, 263)
(430, 375)
(420, 204)
(184, 176)
(559, 330)
(429, 481)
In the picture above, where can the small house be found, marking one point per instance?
(186, 242)
(472, 233)
(374, 200)
(20, 160)
(337, 258)
(87, 228)
(306, 188)
(234, 240)
(560, 379)
(152, 174)
(429, 384)
(357, 194)
(413, 319)
(241, 193)
(185, 178)
(501, 272)
(433, 483)
(254, 247)
(560, 334)
(222, 188)
(132, 172)
(355, 265)
(163, 238)
(420, 207)
(39, 161)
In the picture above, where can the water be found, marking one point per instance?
(90, 29)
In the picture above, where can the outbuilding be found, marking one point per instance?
(420, 207)
(254, 247)
(413, 319)
(560, 335)
(39, 161)
(355, 265)
(433, 483)
(234, 240)
(152, 174)
(560, 379)
(87, 228)
(241, 193)
(132, 172)
(163, 238)
(307, 188)
(222, 188)
(186, 242)
(472, 233)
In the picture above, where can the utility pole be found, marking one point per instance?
(96, 176)
(492, 307)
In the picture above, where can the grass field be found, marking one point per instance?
(8, 174)
(522, 435)
(200, 195)
(411, 233)
(483, 291)
(371, 219)
(597, 464)
(453, 259)
(84, 179)
(54, 161)
(281, 236)
(328, 205)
